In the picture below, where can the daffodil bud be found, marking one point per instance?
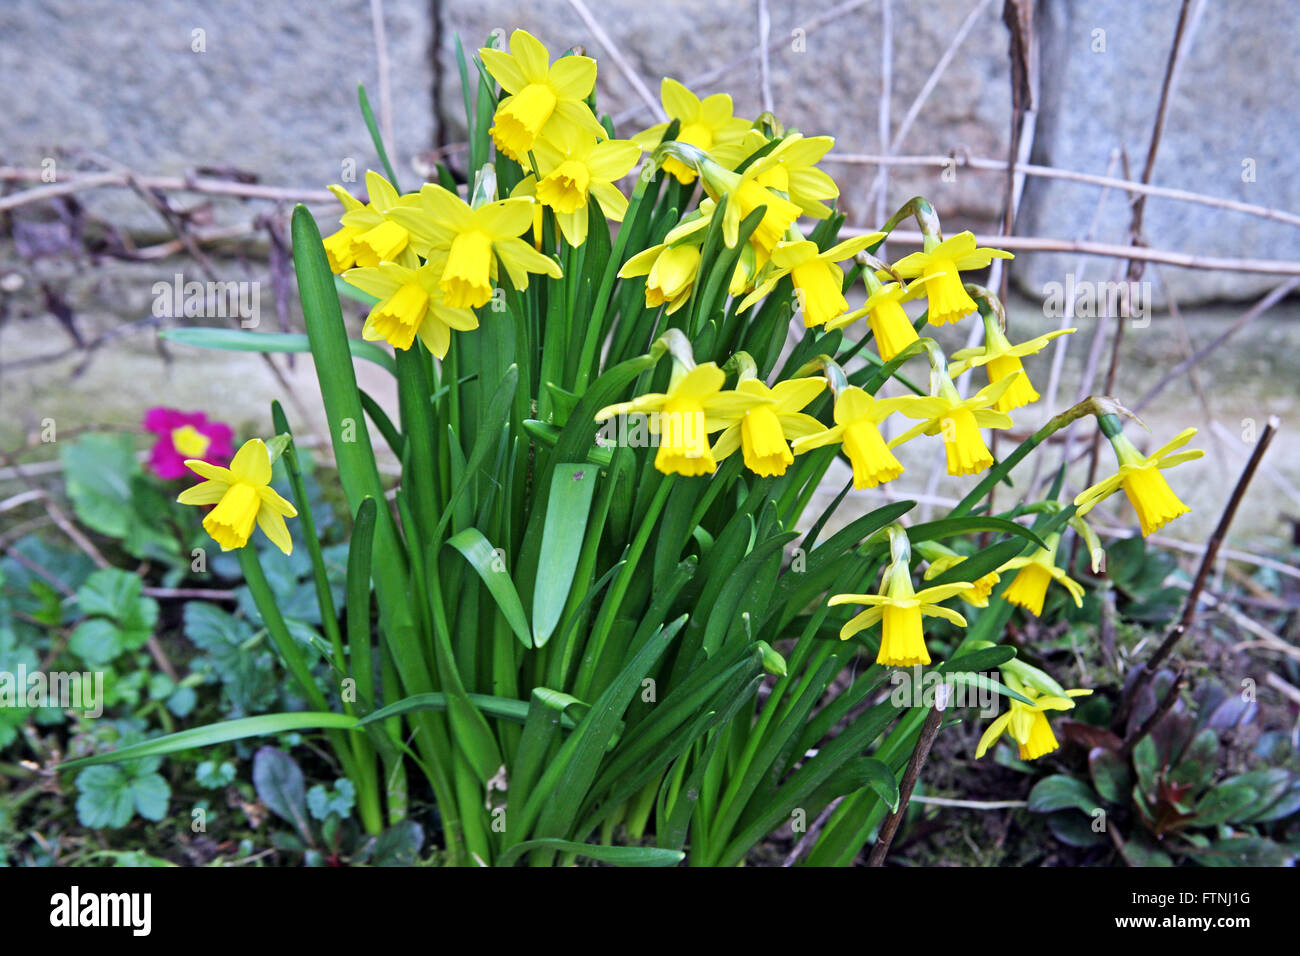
(773, 662)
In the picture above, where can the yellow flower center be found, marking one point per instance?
(466, 280)
(967, 453)
(763, 443)
(902, 638)
(190, 442)
(683, 440)
(339, 248)
(565, 188)
(983, 588)
(1018, 393)
(873, 462)
(1040, 740)
(891, 327)
(780, 213)
(948, 300)
(231, 521)
(398, 317)
(1029, 588)
(519, 121)
(818, 284)
(380, 244)
(672, 275)
(1152, 498)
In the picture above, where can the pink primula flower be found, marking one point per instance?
(183, 435)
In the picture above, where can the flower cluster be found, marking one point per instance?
(747, 240)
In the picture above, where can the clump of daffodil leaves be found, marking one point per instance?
(623, 365)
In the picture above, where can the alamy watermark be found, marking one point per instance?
(1092, 300)
(914, 687)
(638, 430)
(66, 690)
(179, 299)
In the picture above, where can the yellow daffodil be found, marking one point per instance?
(818, 280)
(959, 422)
(942, 264)
(762, 431)
(243, 497)
(1147, 490)
(791, 169)
(411, 303)
(1001, 360)
(1028, 589)
(683, 417)
(857, 416)
(368, 235)
(670, 273)
(745, 194)
(1027, 724)
(339, 245)
(543, 96)
(705, 124)
(475, 242)
(576, 166)
(901, 609)
(978, 596)
(890, 326)
(380, 239)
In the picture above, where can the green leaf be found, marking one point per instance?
(239, 340)
(219, 733)
(97, 641)
(278, 781)
(1224, 803)
(1074, 830)
(111, 796)
(567, 509)
(951, 527)
(106, 800)
(514, 711)
(97, 469)
(484, 559)
(360, 550)
(399, 845)
(1110, 774)
(497, 414)
(564, 785)
(1058, 792)
(1244, 851)
(368, 115)
(110, 592)
(150, 793)
(858, 773)
(618, 855)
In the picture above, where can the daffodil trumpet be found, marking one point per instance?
(817, 278)
(763, 431)
(900, 609)
(1140, 477)
(941, 262)
(693, 407)
(999, 358)
(1028, 589)
(243, 497)
(857, 416)
(944, 412)
(1027, 724)
(891, 327)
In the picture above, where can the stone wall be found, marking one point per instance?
(168, 85)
